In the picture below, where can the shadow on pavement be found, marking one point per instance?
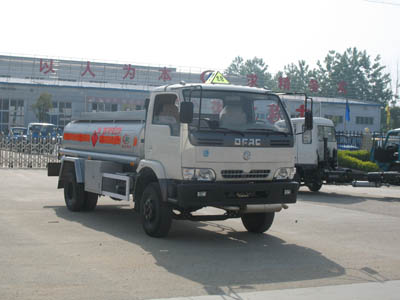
(211, 253)
(335, 198)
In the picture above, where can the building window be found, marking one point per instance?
(11, 113)
(335, 119)
(97, 107)
(61, 113)
(261, 116)
(365, 120)
(102, 107)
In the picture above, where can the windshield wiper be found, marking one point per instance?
(268, 130)
(231, 130)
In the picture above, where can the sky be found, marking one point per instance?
(200, 34)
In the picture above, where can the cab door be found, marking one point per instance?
(305, 146)
(162, 135)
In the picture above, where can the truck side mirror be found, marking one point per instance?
(186, 112)
(308, 120)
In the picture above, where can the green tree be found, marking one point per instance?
(300, 76)
(394, 118)
(42, 106)
(359, 76)
(364, 78)
(256, 66)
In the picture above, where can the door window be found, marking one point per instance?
(166, 112)
(307, 136)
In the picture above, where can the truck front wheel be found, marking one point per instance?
(156, 215)
(258, 222)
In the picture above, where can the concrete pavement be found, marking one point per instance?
(341, 236)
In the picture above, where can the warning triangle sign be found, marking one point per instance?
(217, 78)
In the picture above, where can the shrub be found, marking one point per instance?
(347, 160)
(363, 155)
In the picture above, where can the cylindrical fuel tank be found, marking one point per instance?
(117, 133)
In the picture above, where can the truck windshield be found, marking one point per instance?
(393, 139)
(48, 130)
(43, 130)
(237, 112)
(326, 132)
(18, 131)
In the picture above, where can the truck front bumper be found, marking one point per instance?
(199, 194)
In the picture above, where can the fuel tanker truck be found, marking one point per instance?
(194, 146)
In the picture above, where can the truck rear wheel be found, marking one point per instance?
(258, 222)
(156, 215)
(90, 201)
(74, 194)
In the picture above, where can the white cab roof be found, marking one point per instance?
(316, 121)
(225, 87)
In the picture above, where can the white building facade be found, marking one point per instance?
(77, 86)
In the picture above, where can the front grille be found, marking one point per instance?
(241, 174)
(210, 141)
(279, 143)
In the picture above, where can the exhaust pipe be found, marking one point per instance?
(374, 184)
(262, 208)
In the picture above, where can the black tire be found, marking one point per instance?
(314, 186)
(90, 202)
(74, 194)
(395, 168)
(258, 222)
(297, 178)
(155, 214)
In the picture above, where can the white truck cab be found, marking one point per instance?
(195, 146)
(316, 150)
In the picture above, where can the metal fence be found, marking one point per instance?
(22, 153)
(37, 153)
(355, 140)
(348, 140)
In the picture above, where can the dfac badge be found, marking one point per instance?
(246, 155)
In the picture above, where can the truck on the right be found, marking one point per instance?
(316, 158)
(386, 152)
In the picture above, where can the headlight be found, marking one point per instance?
(198, 174)
(284, 173)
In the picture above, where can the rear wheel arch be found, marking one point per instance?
(66, 168)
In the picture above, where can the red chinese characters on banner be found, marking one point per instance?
(301, 110)
(45, 67)
(88, 70)
(313, 85)
(131, 72)
(284, 83)
(164, 75)
(274, 113)
(252, 80)
(342, 87)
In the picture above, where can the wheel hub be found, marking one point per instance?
(149, 210)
